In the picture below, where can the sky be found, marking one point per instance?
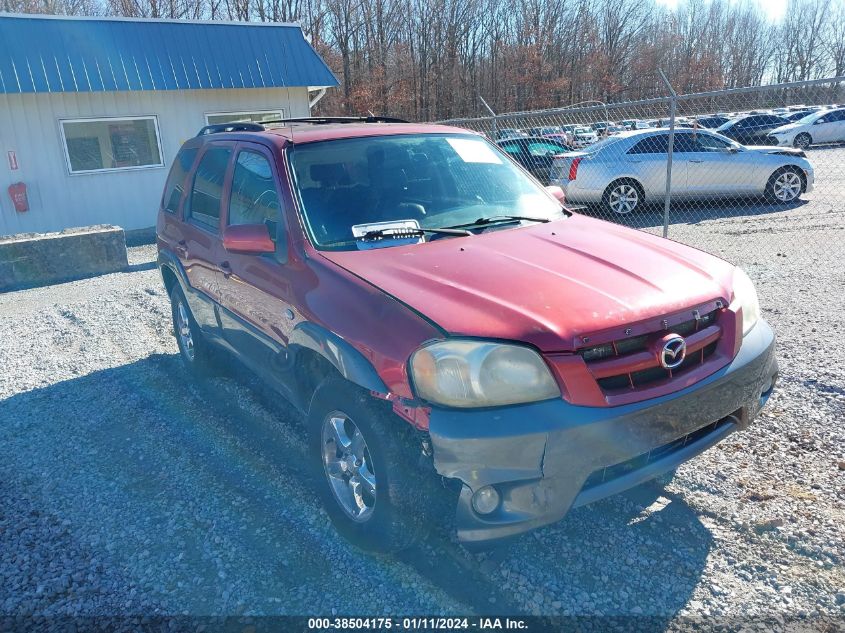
(773, 8)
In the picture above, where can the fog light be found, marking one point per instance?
(485, 500)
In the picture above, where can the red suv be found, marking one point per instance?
(438, 316)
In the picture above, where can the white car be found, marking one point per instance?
(584, 136)
(627, 170)
(824, 126)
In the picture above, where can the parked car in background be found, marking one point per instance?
(710, 122)
(797, 115)
(751, 129)
(824, 126)
(450, 334)
(535, 153)
(625, 171)
(584, 136)
(544, 131)
(509, 132)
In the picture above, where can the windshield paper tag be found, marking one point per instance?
(360, 230)
(474, 151)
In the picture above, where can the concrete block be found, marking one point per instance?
(36, 259)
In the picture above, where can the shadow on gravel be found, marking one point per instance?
(196, 495)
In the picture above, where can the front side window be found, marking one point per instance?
(255, 199)
(711, 143)
(436, 180)
(544, 149)
(96, 145)
(204, 207)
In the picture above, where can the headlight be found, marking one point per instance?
(745, 298)
(467, 373)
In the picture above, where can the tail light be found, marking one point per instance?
(573, 168)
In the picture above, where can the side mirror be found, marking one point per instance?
(557, 192)
(248, 239)
(819, 121)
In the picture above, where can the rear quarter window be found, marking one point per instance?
(176, 180)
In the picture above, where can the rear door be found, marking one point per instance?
(200, 248)
(256, 311)
(647, 160)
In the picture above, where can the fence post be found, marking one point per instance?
(493, 118)
(667, 200)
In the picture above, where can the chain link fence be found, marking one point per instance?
(747, 174)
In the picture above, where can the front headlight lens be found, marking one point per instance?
(745, 299)
(465, 373)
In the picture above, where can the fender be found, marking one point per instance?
(169, 260)
(349, 362)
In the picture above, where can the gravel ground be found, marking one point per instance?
(126, 490)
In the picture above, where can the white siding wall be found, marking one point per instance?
(29, 125)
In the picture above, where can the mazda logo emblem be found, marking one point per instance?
(673, 352)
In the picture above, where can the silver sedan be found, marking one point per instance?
(629, 169)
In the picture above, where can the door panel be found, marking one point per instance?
(200, 248)
(255, 297)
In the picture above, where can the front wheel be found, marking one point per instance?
(622, 197)
(371, 489)
(802, 141)
(785, 185)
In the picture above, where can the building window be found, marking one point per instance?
(257, 116)
(94, 145)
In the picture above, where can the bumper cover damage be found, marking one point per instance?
(540, 456)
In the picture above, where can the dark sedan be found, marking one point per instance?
(535, 153)
(752, 129)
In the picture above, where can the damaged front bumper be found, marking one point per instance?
(547, 457)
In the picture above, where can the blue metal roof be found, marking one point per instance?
(49, 54)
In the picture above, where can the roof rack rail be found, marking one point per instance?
(323, 120)
(231, 127)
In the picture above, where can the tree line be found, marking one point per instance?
(432, 59)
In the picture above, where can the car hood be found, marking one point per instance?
(787, 128)
(544, 284)
(771, 149)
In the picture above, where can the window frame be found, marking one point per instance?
(178, 212)
(83, 172)
(282, 244)
(224, 188)
(280, 111)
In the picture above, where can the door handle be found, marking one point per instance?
(182, 248)
(696, 160)
(226, 269)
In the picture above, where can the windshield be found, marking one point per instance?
(810, 117)
(436, 180)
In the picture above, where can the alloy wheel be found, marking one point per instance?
(787, 186)
(348, 466)
(183, 331)
(802, 141)
(623, 199)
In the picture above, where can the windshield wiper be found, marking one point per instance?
(500, 219)
(400, 233)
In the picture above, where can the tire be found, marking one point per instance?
(785, 185)
(622, 197)
(374, 491)
(802, 141)
(196, 353)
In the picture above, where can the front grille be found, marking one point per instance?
(610, 473)
(629, 364)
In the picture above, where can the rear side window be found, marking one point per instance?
(176, 180)
(657, 144)
(208, 187)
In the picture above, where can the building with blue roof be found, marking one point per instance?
(93, 110)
